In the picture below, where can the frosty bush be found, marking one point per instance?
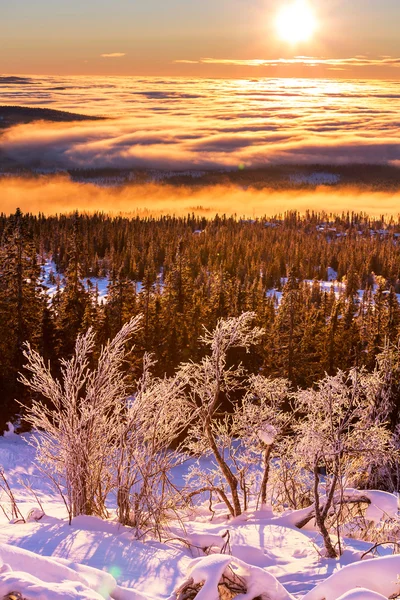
(342, 435)
(154, 418)
(77, 426)
(93, 437)
(262, 421)
(235, 442)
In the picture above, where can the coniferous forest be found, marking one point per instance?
(183, 274)
(200, 300)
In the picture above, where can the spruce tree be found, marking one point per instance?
(22, 305)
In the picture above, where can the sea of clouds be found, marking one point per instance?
(204, 124)
(181, 124)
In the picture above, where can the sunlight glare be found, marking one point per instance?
(296, 22)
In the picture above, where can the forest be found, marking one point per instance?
(184, 274)
(155, 363)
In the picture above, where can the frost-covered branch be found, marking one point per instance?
(77, 426)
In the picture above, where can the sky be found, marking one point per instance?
(207, 38)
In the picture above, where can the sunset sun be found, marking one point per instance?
(296, 22)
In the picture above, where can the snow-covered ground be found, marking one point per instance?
(326, 285)
(49, 269)
(93, 559)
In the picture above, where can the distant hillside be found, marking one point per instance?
(362, 176)
(7, 79)
(15, 115)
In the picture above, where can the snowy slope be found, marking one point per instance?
(91, 558)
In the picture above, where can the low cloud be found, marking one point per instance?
(58, 194)
(113, 55)
(307, 61)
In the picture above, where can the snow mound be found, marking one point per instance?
(378, 575)
(35, 514)
(41, 578)
(36, 589)
(362, 594)
(259, 583)
(10, 431)
(384, 506)
(210, 569)
(95, 524)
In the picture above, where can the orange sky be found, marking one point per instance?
(213, 38)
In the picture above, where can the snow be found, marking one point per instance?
(153, 568)
(331, 274)
(384, 506)
(102, 283)
(46, 557)
(49, 268)
(378, 575)
(10, 431)
(325, 286)
(33, 588)
(361, 594)
(267, 434)
(37, 576)
(209, 571)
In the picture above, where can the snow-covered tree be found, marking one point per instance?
(154, 418)
(338, 434)
(262, 419)
(77, 418)
(205, 384)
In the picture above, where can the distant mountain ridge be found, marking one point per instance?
(16, 115)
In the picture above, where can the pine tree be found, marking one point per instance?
(72, 300)
(22, 305)
(288, 332)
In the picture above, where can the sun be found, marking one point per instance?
(296, 22)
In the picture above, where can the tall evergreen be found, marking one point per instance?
(22, 306)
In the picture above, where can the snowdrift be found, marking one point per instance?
(380, 575)
(42, 578)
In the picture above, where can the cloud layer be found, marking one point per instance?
(204, 124)
(308, 61)
(58, 194)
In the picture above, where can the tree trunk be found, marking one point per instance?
(320, 518)
(229, 476)
(267, 456)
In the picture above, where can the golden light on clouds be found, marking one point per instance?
(296, 22)
(113, 55)
(58, 194)
(192, 124)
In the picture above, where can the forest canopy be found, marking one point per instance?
(183, 274)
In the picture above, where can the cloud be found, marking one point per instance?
(113, 55)
(58, 194)
(188, 123)
(307, 61)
